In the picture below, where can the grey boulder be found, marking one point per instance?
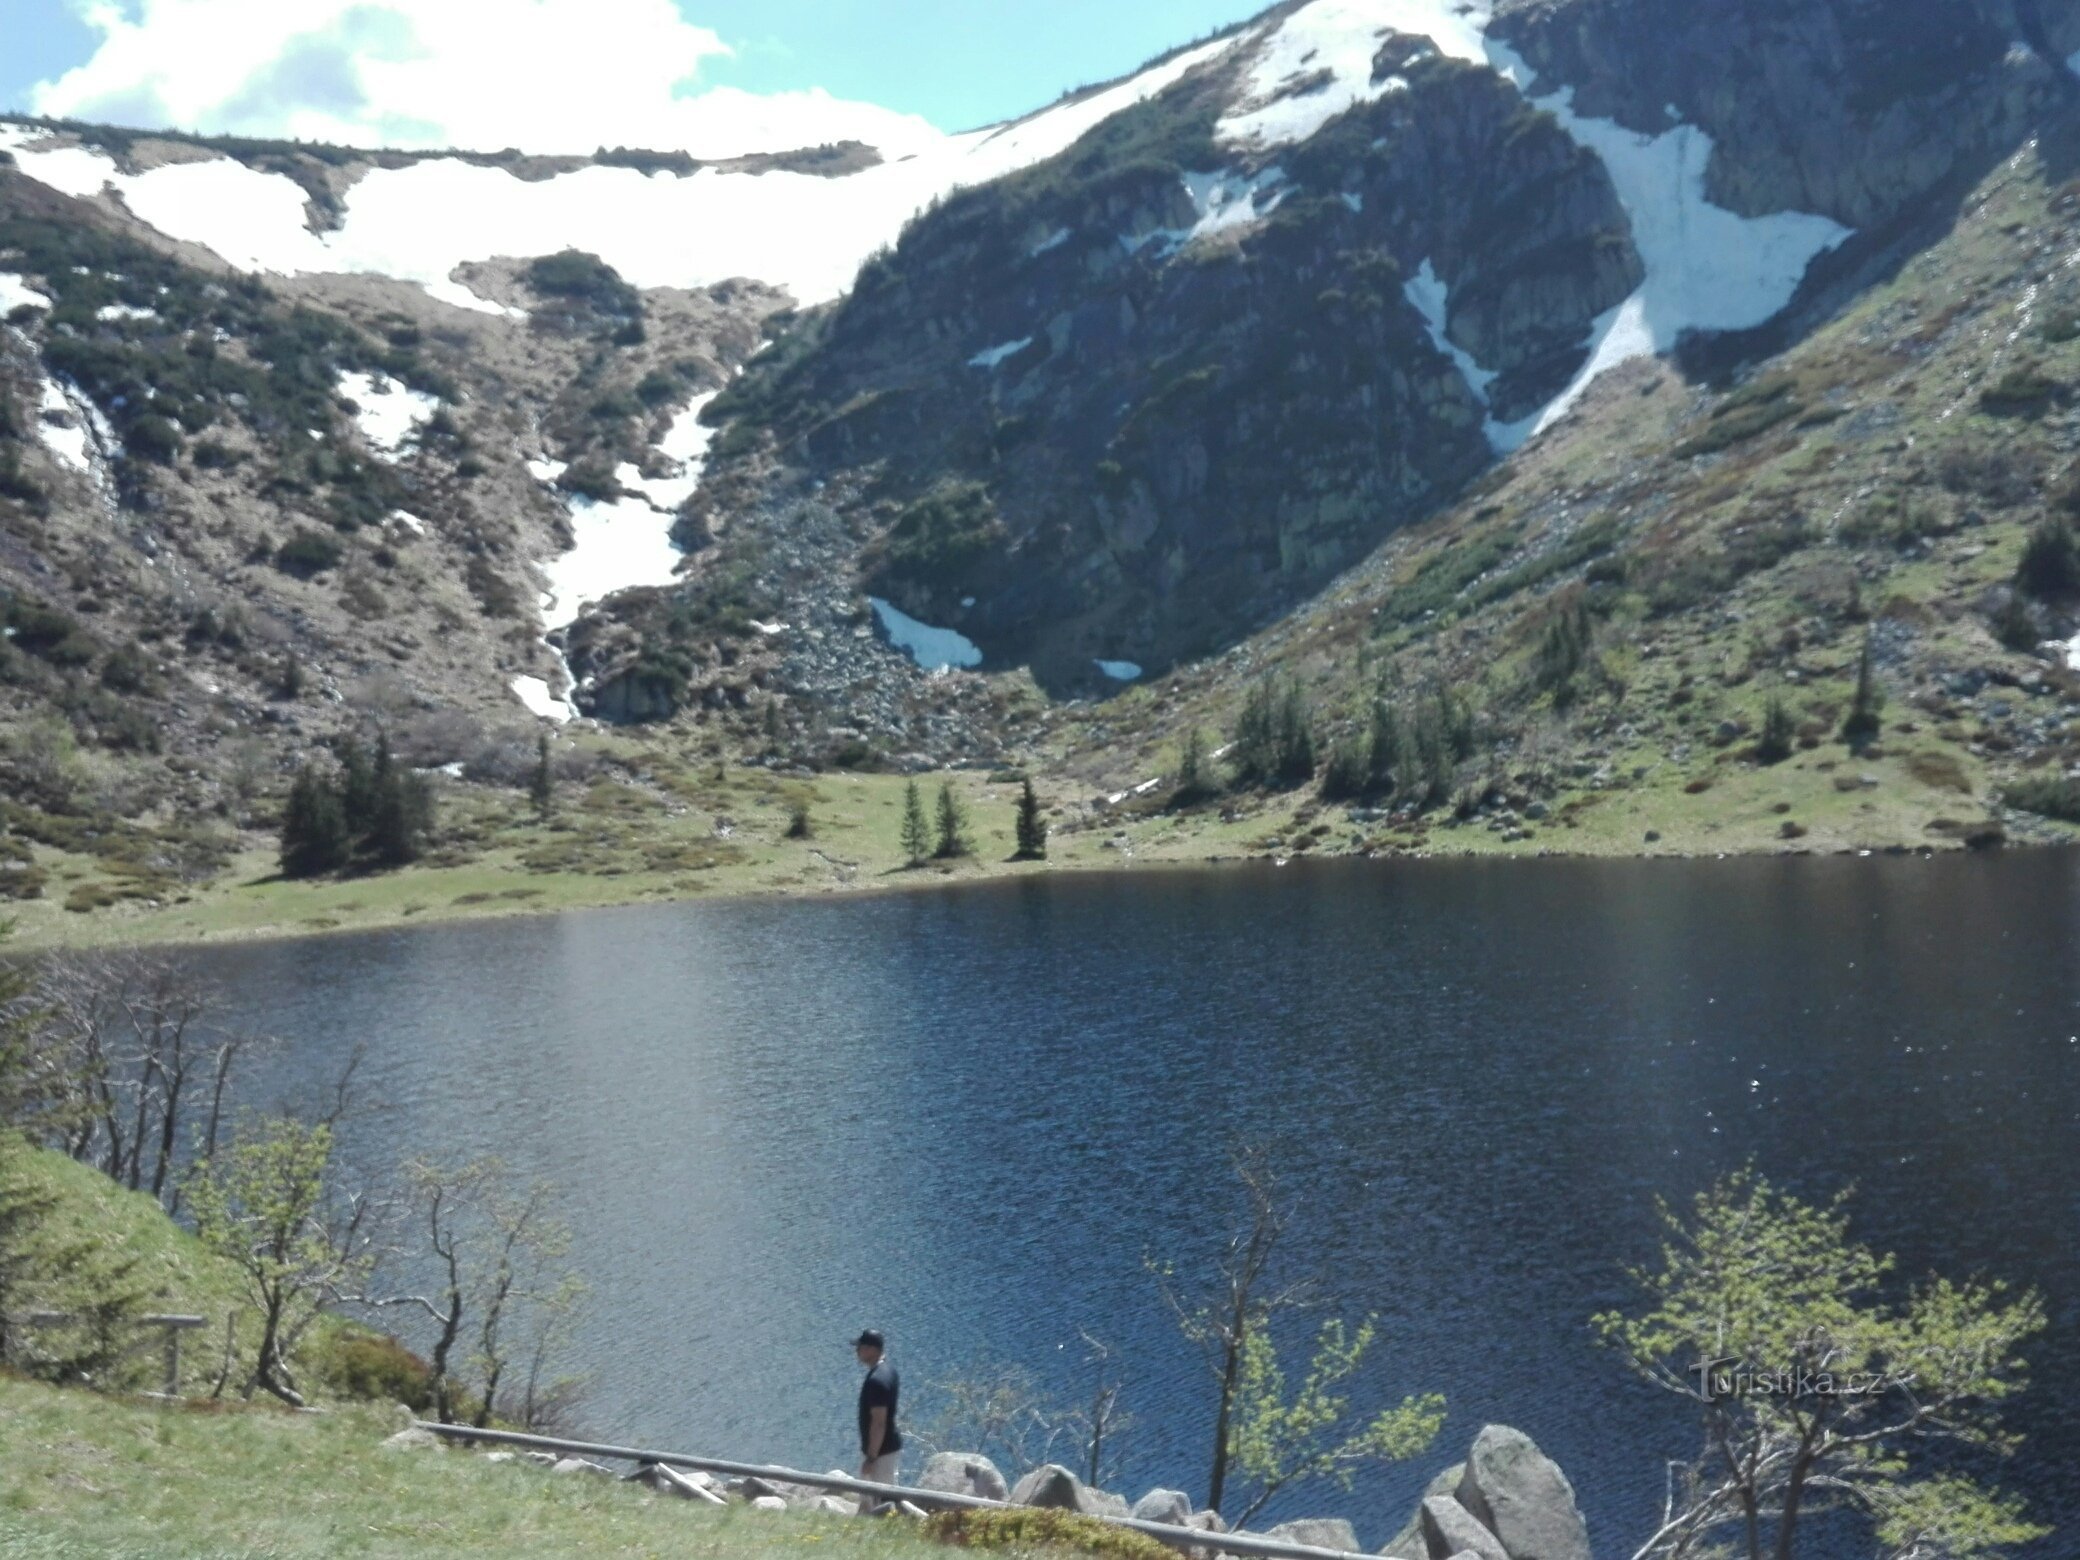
(1055, 1488)
(582, 1465)
(1409, 1544)
(963, 1473)
(1318, 1533)
(1450, 1529)
(1520, 1495)
(1171, 1506)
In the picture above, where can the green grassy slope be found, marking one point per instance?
(91, 1476)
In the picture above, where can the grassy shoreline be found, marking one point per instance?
(727, 840)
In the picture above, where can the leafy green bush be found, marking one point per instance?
(308, 554)
(1028, 1530)
(941, 537)
(2020, 392)
(2048, 796)
(377, 1370)
(1748, 412)
(2050, 564)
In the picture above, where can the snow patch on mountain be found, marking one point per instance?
(685, 443)
(1119, 671)
(534, 693)
(934, 649)
(420, 222)
(1430, 297)
(990, 357)
(16, 293)
(388, 414)
(1317, 63)
(1707, 268)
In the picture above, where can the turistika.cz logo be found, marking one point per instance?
(1720, 1380)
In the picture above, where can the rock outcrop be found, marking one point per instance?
(1318, 1533)
(963, 1473)
(1171, 1506)
(1507, 1501)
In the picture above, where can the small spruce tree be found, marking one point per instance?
(1032, 828)
(541, 787)
(1774, 746)
(953, 824)
(1191, 771)
(357, 788)
(314, 827)
(1860, 727)
(917, 832)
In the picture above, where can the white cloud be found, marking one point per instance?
(543, 75)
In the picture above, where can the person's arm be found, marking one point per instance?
(877, 1430)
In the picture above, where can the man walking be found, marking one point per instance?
(880, 1443)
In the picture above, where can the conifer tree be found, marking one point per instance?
(541, 787)
(917, 832)
(1191, 770)
(314, 828)
(357, 788)
(1032, 828)
(1861, 726)
(1775, 744)
(953, 822)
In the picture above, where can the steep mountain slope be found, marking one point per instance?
(1129, 403)
(1614, 614)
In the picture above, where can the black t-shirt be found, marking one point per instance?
(880, 1390)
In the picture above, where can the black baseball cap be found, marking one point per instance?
(870, 1339)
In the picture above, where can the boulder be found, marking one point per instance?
(1206, 1522)
(1103, 1503)
(1521, 1496)
(500, 1457)
(581, 1465)
(539, 1459)
(1318, 1533)
(1409, 1544)
(1171, 1506)
(963, 1473)
(834, 1506)
(754, 1489)
(768, 1503)
(681, 1484)
(1054, 1487)
(412, 1440)
(1450, 1529)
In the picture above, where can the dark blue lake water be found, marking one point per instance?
(965, 1117)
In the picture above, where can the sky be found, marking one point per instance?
(716, 77)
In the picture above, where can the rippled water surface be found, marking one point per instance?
(966, 1116)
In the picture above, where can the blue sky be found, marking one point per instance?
(956, 63)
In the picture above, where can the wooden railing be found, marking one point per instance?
(1178, 1537)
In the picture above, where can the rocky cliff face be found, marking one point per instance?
(1128, 404)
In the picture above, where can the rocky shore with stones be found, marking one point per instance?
(1506, 1501)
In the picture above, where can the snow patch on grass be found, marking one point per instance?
(618, 545)
(73, 429)
(16, 293)
(990, 357)
(109, 313)
(1317, 63)
(934, 649)
(534, 693)
(389, 414)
